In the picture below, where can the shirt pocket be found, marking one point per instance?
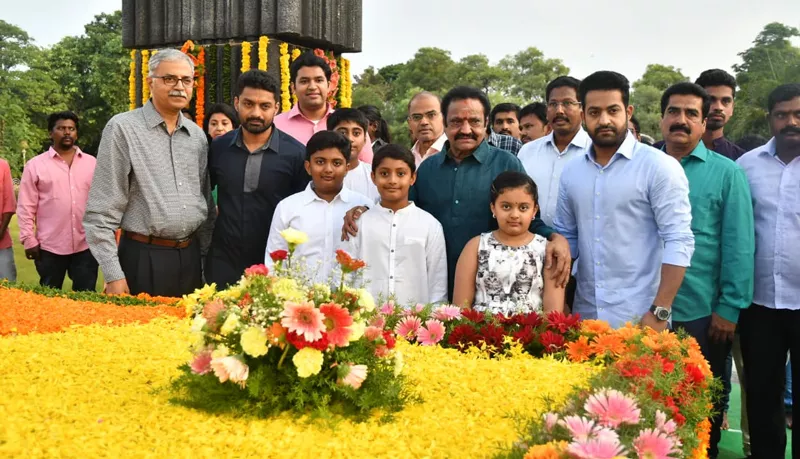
(47, 185)
(706, 212)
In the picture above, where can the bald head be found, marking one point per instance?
(425, 117)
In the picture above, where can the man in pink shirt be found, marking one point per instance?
(311, 78)
(52, 200)
(8, 270)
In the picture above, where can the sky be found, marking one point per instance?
(620, 35)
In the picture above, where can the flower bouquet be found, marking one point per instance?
(273, 342)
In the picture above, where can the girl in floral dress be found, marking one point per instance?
(503, 271)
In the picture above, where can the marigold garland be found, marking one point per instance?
(346, 96)
(285, 77)
(200, 111)
(295, 54)
(132, 82)
(263, 45)
(145, 71)
(63, 393)
(26, 312)
(246, 48)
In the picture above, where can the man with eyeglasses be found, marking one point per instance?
(152, 181)
(426, 125)
(52, 200)
(452, 185)
(544, 158)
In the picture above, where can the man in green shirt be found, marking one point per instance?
(454, 184)
(719, 282)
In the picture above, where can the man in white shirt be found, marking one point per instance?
(353, 124)
(319, 209)
(426, 124)
(403, 245)
(544, 158)
(771, 326)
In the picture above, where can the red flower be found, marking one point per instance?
(694, 374)
(473, 315)
(462, 336)
(533, 319)
(559, 321)
(552, 342)
(300, 342)
(348, 263)
(388, 336)
(256, 270)
(492, 335)
(524, 336)
(246, 299)
(279, 255)
(638, 368)
(506, 320)
(667, 365)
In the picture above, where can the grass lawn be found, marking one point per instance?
(26, 271)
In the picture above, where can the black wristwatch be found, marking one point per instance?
(663, 314)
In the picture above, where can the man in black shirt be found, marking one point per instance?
(254, 168)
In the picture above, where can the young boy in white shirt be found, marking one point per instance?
(402, 244)
(353, 124)
(318, 210)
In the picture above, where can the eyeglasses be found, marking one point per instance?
(567, 104)
(172, 80)
(417, 117)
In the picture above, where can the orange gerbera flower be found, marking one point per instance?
(580, 350)
(608, 343)
(664, 341)
(594, 326)
(348, 263)
(551, 450)
(628, 332)
(697, 358)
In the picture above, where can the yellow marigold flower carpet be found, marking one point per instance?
(100, 391)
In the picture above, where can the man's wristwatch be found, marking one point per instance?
(663, 314)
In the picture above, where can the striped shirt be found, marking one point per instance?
(148, 182)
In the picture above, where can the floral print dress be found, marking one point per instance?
(509, 279)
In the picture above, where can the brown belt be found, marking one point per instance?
(175, 244)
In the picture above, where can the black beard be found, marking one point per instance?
(256, 129)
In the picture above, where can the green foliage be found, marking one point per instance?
(528, 73)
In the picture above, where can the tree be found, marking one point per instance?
(646, 95)
(528, 72)
(770, 62)
(430, 69)
(475, 70)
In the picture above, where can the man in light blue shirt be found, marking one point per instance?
(771, 326)
(624, 208)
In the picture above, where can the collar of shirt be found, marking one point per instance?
(700, 152)
(152, 118)
(481, 154)
(273, 143)
(768, 148)
(438, 145)
(295, 112)
(411, 207)
(627, 149)
(580, 140)
(52, 153)
(345, 195)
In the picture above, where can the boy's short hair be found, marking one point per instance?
(323, 140)
(347, 114)
(309, 59)
(394, 151)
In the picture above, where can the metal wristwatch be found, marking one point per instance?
(663, 314)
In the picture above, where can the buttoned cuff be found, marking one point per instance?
(112, 270)
(729, 313)
(677, 254)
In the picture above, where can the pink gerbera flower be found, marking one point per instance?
(304, 319)
(378, 321)
(201, 363)
(612, 408)
(652, 444)
(211, 312)
(372, 333)
(431, 333)
(337, 324)
(387, 308)
(447, 313)
(595, 449)
(407, 327)
(580, 428)
(663, 425)
(550, 421)
(352, 375)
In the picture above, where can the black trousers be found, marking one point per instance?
(81, 266)
(161, 271)
(716, 353)
(766, 336)
(226, 266)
